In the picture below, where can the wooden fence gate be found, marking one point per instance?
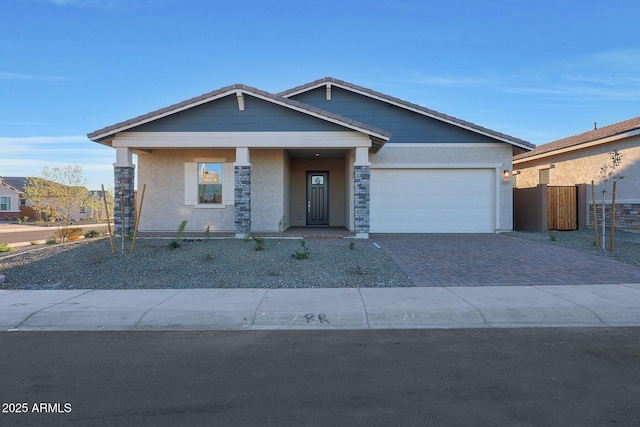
(562, 208)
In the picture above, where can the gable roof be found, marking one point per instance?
(525, 145)
(15, 182)
(602, 135)
(378, 136)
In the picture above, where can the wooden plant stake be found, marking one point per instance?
(106, 209)
(139, 212)
(613, 216)
(595, 214)
(122, 211)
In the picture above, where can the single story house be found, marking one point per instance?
(327, 153)
(578, 159)
(9, 201)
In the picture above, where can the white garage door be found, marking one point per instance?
(432, 201)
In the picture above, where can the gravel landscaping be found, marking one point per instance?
(627, 244)
(215, 263)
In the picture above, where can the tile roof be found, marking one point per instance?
(402, 103)
(583, 138)
(136, 121)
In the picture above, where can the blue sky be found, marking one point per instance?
(538, 70)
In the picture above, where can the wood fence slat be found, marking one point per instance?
(562, 208)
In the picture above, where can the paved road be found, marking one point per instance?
(11, 233)
(510, 377)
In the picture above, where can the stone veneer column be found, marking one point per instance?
(126, 173)
(362, 186)
(242, 200)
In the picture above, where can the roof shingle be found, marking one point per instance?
(583, 138)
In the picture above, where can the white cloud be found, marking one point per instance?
(417, 77)
(108, 4)
(21, 76)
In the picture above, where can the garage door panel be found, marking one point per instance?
(433, 200)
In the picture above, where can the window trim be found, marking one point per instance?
(8, 203)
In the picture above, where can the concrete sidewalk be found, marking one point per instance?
(364, 308)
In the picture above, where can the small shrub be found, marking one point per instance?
(352, 245)
(175, 243)
(6, 248)
(51, 240)
(33, 243)
(68, 234)
(359, 270)
(207, 233)
(247, 232)
(259, 243)
(552, 237)
(92, 233)
(208, 257)
(305, 251)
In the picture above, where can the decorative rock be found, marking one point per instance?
(1, 278)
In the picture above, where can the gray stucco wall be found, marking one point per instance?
(164, 202)
(582, 166)
(267, 188)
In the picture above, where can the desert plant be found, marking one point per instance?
(359, 270)
(259, 243)
(207, 233)
(92, 233)
(281, 226)
(175, 243)
(352, 245)
(6, 248)
(70, 234)
(304, 254)
(208, 257)
(51, 240)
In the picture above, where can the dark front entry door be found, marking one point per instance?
(317, 198)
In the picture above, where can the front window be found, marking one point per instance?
(209, 182)
(5, 203)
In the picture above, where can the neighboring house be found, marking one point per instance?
(328, 153)
(9, 201)
(578, 159)
(94, 208)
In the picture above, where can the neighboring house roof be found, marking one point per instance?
(17, 182)
(379, 136)
(409, 106)
(11, 187)
(602, 135)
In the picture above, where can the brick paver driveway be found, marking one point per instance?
(492, 259)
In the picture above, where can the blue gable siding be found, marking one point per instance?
(223, 115)
(405, 126)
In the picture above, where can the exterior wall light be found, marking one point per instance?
(505, 174)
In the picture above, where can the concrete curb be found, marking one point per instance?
(301, 309)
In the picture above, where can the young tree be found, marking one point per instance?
(61, 193)
(607, 172)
